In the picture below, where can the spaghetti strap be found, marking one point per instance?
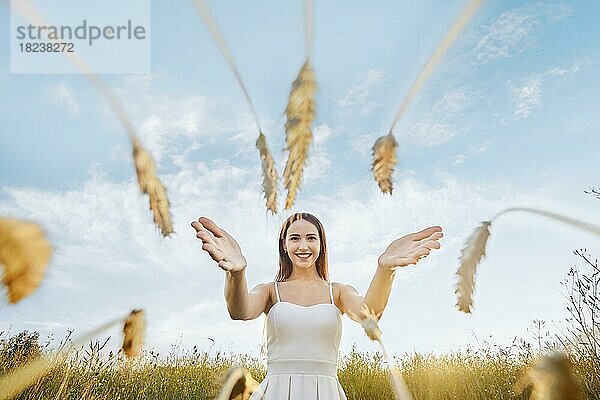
(331, 293)
(276, 291)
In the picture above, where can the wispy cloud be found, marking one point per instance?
(358, 98)
(511, 32)
(526, 96)
(567, 71)
(439, 123)
(63, 96)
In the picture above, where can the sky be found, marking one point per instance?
(509, 118)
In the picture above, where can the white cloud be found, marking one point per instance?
(572, 70)
(526, 96)
(358, 98)
(64, 97)
(430, 134)
(439, 123)
(510, 33)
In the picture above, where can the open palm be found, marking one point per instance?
(411, 248)
(220, 245)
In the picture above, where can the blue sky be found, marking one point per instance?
(508, 119)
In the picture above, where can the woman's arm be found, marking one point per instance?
(400, 253)
(224, 249)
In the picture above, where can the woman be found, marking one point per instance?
(303, 307)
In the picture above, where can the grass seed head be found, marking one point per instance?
(24, 254)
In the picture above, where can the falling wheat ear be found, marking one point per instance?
(24, 255)
(300, 113)
(369, 322)
(269, 172)
(475, 249)
(26, 375)
(384, 149)
(159, 205)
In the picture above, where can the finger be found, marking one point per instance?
(213, 252)
(211, 226)
(206, 237)
(197, 226)
(432, 244)
(420, 253)
(433, 236)
(425, 233)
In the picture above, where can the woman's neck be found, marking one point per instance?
(304, 274)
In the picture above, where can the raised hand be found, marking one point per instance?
(411, 248)
(220, 245)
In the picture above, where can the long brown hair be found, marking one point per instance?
(285, 263)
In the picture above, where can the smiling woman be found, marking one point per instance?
(302, 306)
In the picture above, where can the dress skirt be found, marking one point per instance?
(300, 380)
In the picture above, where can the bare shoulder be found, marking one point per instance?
(266, 292)
(340, 289)
(263, 288)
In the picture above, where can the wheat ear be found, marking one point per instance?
(151, 185)
(24, 253)
(552, 379)
(474, 251)
(369, 322)
(300, 112)
(270, 178)
(27, 374)
(133, 333)
(470, 257)
(384, 160)
(159, 203)
(239, 385)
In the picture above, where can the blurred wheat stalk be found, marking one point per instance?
(552, 379)
(475, 246)
(26, 375)
(239, 385)
(24, 254)
(384, 149)
(149, 182)
(270, 177)
(369, 322)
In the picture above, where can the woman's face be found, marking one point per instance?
(302, 243)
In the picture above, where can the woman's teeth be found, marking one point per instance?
(303, 255)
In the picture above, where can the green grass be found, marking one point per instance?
(483, 374)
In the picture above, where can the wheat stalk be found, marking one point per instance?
(470, 257)
(239, 385)
(369, 322)
(385, 182)
(552, 379)
(133, 334)
(24, 253)
(384, 160)
(27, 374)
(151, 185)
(159, 203)
(300, 112)
(474, 251)
(270, 178)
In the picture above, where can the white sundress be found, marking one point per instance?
(302, 351)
